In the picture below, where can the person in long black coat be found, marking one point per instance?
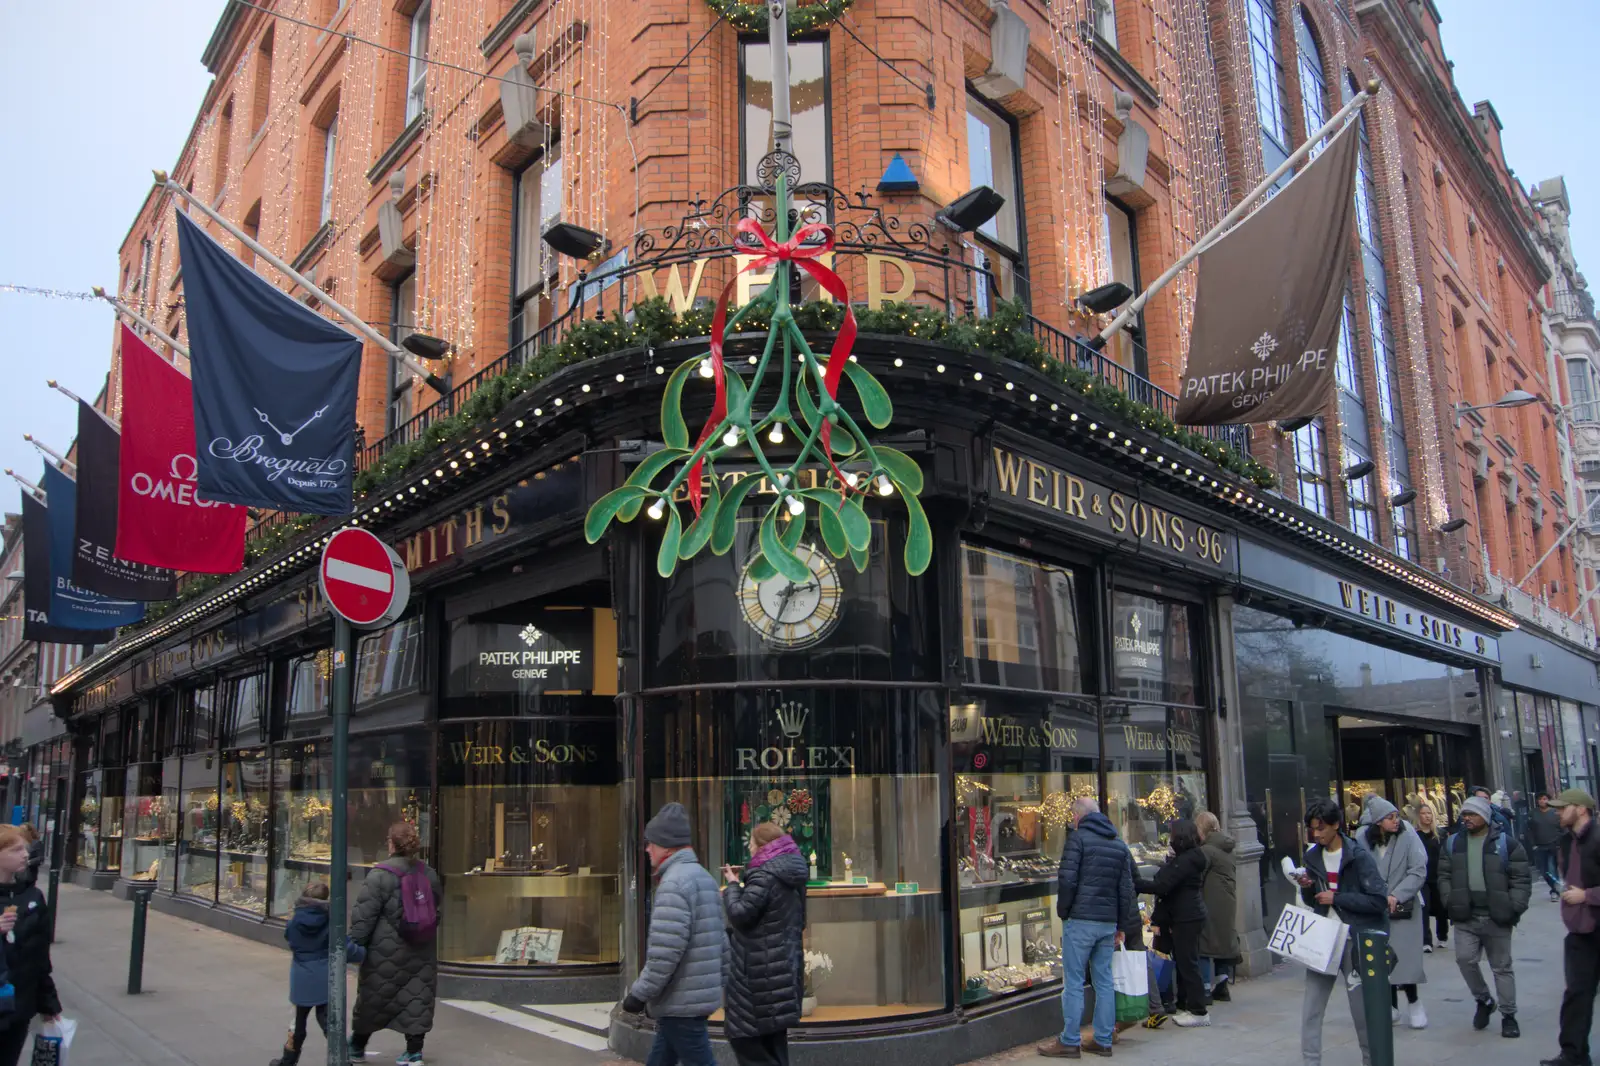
(1435, 922)
(25, 921)
(399, 980)
(765, 975)
(1179, 888)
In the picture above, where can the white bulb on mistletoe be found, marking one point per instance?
(658, 508)
(776, 436)
(705, 368)
(885, 486)
(731, 437)
(796, 508)
(851, 479)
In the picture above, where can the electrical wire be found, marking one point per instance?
(681, 61)
(844, 24)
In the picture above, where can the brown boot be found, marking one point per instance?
(1094, 1047)
(1055, 1049)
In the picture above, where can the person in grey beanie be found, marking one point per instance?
(1484, 881)
(680, 983)
(1403, 864)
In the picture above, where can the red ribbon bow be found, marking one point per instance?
(794, 250)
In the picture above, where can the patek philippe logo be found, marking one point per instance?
(792, 719)
(1136, 625)
(530, 634)
(1264, 346)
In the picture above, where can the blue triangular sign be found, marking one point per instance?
(898, 177)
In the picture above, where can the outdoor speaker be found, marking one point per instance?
(972, 210)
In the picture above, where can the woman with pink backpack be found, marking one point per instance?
(395, 920)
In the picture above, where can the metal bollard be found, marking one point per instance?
(1372, 956)
(141, 907)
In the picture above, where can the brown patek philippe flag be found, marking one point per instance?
(1269, 301)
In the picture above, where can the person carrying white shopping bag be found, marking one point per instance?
(1341, 879)
(25, 939)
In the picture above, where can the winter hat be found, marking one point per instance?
(1377, 810)
(1573, 797)
(1479, 806)
(670, 827)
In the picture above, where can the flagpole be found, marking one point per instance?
(61, 460)
(140, 320)
(33, 490)
(1240, 209)
(393, 350)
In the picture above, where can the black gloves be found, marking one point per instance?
(632, 1004)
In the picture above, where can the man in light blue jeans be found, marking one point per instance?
(1094, 898)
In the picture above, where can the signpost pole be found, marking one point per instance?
(338, 890)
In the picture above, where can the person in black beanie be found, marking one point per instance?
(680, 983)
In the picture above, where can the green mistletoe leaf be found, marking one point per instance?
(699, 532)
(758, 569)
(919, 535)
(606, 508)
(841, 441)
(875, 402)
(903, 470)
(857, 527)
(726, 527)
(645, 473)
(782, 557)
(667, 557)
(674, 431)
(832, 532)
(860, 559)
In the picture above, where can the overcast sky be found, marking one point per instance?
(100, 93)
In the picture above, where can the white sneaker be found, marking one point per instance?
(1185, 1020)
(1394, 1015)
(1419, 1017)
(1427, 949)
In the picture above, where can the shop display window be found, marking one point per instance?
(852, 774)
(529, 660)
(197, 827)
(142, 821)
(1155, 773)
(88, 854)
(389, 661)
(1019, 763)
(1019, 622)
(715, 620)
(1152, 649)
(388, 782)
(100, 817)
(310, 687)
(243, 719)
(529, 818)
(246, 794)
(170, 814)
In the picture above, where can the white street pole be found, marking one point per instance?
(1588, 513)
(393, 350)
(140, 321)
(34, 490)
(1239, 211)
(778, 43)
(61, 460)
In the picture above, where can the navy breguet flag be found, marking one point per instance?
(1269, 299)
(274, 387)
(71, 606)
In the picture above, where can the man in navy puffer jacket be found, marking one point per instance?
(1094, 898)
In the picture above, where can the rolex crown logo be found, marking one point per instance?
(792, 719)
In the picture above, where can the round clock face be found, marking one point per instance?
(790, 614)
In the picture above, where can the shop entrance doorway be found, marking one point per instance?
(1533, 761)
(1406, 764)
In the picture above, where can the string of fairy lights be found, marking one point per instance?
(1084, 241)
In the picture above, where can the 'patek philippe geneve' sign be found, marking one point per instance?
(1071, 500)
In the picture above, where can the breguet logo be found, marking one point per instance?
(795, 755)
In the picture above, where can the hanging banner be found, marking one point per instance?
(36, 624)
(161, 518)
(274, 387)
(1270, 298)
(95, 564)
(70, 606)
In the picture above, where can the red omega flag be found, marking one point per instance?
(160, 518)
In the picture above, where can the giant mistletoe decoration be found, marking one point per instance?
(746, 421)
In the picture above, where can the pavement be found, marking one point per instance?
(213, 998)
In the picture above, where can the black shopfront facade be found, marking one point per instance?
(922, 738)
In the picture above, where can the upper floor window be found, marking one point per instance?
(261, 90)
(1313, 86)
(1348, 367)
(1311, 467)
(1105, 20)
(219, 169)
(1122, 243)
(1266, 64)
(992, 161)
(417, 65)
(402, 324)
(330, 146)
(1383, 358)
(538, 207)
(1358, 491)
(1580, 386)
(809, 102)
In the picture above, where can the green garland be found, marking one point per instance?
(752, 17)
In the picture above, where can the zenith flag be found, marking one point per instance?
(70, 606)
(36, 622)
(1270, 299)
(161, 519)
(96, 566)
(274, 387)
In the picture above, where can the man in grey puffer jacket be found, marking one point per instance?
(681, 982)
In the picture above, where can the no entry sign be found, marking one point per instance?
(363, 579)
